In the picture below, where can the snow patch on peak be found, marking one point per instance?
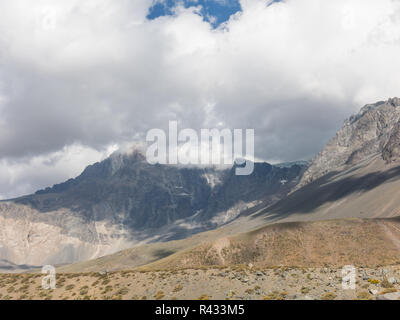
(233, 212)
(213, 178)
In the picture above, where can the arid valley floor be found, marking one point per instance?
(236, 283)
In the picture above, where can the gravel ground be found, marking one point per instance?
(236, 283)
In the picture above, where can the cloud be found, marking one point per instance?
(98, 73)
(22, 176)
(213, 11)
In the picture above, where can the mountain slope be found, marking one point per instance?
(369, 189)
(123, 201)
(359, 242)
(374, 130)
(357, 175)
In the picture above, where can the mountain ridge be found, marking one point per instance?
(123, 201)
(364, 134)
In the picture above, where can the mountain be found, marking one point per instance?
(338, 242)
(356, 175)
(123, 201)
(347, 204)
(374, 130)
(359, 242)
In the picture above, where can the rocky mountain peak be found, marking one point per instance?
(124, 200)
(395, 102)
(391, 150)
(374, 130)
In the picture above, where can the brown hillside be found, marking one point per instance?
(360, 242)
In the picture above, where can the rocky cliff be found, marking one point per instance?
(374, 130)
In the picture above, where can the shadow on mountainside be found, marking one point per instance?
(162, 253)
(328, 188)
(7, 266)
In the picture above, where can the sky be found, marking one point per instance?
(79, 79)
(214, 12)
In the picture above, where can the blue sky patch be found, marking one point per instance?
(213, 11)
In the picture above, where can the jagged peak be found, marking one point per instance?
(372, 131)
(394, 102)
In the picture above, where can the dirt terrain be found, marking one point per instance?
(368, 242)
(301, 260)
(236, 283)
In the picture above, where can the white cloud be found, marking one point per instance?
(97, 73)
(23, 176)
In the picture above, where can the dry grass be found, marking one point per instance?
(328, 296)
(364, 295)
(159, 295)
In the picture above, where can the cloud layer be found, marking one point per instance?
(96, 73)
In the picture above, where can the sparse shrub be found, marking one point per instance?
(24, 287)
(159, 295)
(328, 296)
(373, 281)
(249, 291)
(178, 288)
(364, 295)
(272, 296)
(305, 290)
(42, 294)
(84, 290)
(107, 289)
(123, 291)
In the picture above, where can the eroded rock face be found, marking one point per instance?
(391, 150)
(28, 236)
(123, 201)
(374, 130)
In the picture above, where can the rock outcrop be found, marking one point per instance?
(374, 130)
